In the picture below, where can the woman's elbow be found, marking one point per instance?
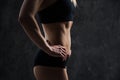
(21, 19)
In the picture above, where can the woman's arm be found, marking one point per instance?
(27, 20)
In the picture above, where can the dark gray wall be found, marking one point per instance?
(95, 42)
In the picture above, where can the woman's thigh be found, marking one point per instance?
(50, 73)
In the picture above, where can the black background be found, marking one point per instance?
(95, 42)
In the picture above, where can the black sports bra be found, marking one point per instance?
(60, 11)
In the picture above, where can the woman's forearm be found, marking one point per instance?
(32, 29)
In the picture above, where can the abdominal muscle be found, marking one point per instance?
(58, 34)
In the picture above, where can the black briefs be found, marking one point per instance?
(43, 59)
(59, 11)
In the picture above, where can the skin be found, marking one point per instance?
(56, 42)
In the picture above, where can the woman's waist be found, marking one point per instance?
(63, 42)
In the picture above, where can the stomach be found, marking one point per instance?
(58, 33)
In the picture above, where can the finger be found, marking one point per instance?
(64, 56)
(63, 49)
(54, 52)
(58, 53)
(63, 52)
(60, 47)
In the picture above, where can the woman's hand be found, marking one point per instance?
(58, 51)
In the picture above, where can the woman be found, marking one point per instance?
(56, 17)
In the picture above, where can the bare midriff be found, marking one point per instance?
(58, 33)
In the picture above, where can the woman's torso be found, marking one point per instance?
(57, 33)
